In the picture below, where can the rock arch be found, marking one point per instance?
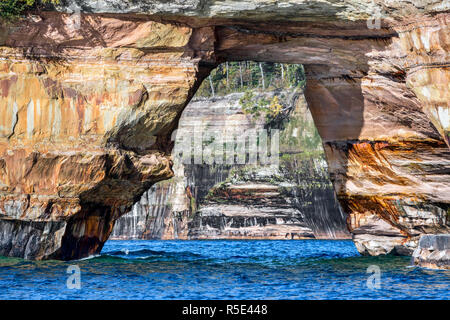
(87, 112)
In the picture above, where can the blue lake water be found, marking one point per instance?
(297, 269)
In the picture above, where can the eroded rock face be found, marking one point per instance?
(85, 123)
(292, 200)
(86, 114)
(251, 210)
(433, 252)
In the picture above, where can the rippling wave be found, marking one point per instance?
(297, 269)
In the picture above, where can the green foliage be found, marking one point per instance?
(11, 9)
(250, 106)
(249, 77)
(193, 205)
(243, 76)
(274, 108)
(300, 139)
(270, 108)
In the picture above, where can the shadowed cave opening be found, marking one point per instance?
(284, 194)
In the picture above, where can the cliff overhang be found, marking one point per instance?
(90, 98)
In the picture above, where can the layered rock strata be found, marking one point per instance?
(87, 112)
(257, 211)
(240, 201)
(433, 252)
(252, 205)
(85, 124)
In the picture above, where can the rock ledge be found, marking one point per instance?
(433, 251)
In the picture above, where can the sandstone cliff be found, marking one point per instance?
(433, 251)
(88, 107)
(293, 200)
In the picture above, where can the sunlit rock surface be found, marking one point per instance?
(87, 113)
(433, 252)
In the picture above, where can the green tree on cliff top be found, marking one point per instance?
(11, 9)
